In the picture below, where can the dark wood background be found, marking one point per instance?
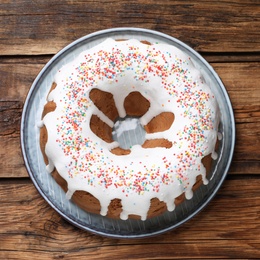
(226, 33)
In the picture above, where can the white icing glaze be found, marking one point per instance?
(167, 78)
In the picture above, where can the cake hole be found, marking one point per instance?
(104, 101)
(136, 104)
(160, 123)
(128, 131)
(101, 129)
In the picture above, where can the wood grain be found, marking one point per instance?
(34, 228)
(32, 27)
(226, 33)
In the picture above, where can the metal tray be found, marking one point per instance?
(98, 224)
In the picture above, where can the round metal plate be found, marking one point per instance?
(54, 195)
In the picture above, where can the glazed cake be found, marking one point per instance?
(154, 87)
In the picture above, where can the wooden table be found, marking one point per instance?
(226, 33)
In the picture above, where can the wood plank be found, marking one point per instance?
(31, 27)
(240, 78)
(34, 229)
(245, 166)
(241, 81)
(11, 163)
(231, 57)
(17, 76)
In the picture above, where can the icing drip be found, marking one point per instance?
(167, 78)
